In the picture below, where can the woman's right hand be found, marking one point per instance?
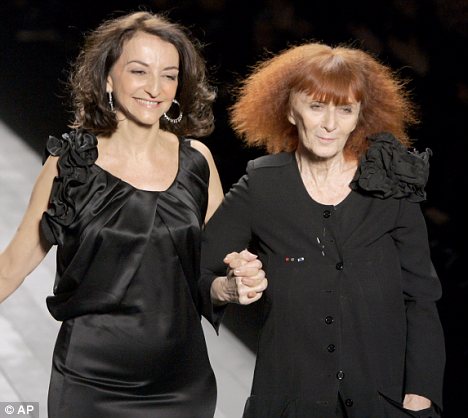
(244, 282)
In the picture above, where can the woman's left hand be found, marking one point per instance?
(416, 402)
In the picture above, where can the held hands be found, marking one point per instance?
(415, 402)
(244, 282)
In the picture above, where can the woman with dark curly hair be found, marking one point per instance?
(350, 325)
(124, 196)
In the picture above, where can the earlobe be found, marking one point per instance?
(109, 85)
(291, 117)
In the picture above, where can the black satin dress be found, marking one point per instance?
(131, 344)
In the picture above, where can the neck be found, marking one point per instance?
(326, 180)
(324, 170)
(133, 140)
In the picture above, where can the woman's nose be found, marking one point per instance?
(329, 120)
(152, 86)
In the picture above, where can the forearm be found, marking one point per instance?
(27, 248)
(17, 261)
(7, 287)
(9, 282)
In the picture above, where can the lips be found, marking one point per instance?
(148, 103)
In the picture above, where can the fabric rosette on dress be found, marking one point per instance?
(126, 288)
(78, 152)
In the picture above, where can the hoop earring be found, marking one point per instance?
(178, 118)
(110, 101)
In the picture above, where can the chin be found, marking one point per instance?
(146, 121)
(328, 155)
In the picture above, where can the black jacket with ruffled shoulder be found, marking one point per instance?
(351, 302)
(390, 170)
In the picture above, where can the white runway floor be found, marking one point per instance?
(27, 331)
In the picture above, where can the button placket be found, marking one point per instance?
(325, 238)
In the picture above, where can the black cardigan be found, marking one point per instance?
(351, 302)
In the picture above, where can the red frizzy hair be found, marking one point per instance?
(328, 74)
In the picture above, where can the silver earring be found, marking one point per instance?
(110, 100)
(178, 118)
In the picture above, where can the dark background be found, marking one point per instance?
(425, 39)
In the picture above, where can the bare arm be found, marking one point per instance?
(215, 190)
(26, 250)
(245, 280)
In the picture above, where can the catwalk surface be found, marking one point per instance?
(27, 330)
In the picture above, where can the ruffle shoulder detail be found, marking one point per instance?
(389, 169)
(77, 152)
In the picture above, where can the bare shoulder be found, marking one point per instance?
(50, 167)
(200, 146)
(43, 186)
(215, 191)
(51, 162)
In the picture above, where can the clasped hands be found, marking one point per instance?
(244, 282)
(416, 402)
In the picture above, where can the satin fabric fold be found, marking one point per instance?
(107, 224)
(131, 343)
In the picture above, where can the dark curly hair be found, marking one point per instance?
(103, 47)
(331, 75)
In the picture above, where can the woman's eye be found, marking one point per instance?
(138, 72)
(171, 77)
(315, 106)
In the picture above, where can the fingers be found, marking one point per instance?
(242, 266)
(252, 277)
(248, 270)
(245, 277)
(247, 255)
(243, 256)
(236, 291)
(254, 281)
(248, 294)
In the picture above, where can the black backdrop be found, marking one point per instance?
(426, 40)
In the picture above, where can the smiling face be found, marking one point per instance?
(144, 79)
(323, 128)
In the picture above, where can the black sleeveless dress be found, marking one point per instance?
(131, 344)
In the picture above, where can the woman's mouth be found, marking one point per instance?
(148, 103)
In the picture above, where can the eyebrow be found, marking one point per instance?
(172, 67)
(352, 104)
